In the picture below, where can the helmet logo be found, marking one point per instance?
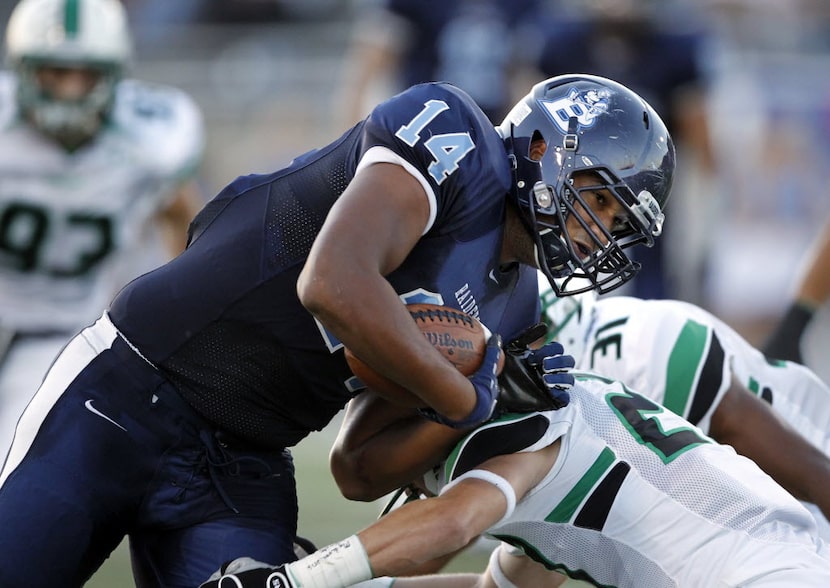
(584, 105)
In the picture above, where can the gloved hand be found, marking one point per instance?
(485, 383)
(535, 379)
(245, 572)
(785, 340)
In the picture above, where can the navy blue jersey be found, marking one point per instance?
(223, 320)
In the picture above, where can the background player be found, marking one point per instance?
(170, 419)
(613, 489)
(478, 45)
(96, 181)
(777, 413)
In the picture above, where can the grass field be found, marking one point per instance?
(325, 516)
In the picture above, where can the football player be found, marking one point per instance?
(171, 418)
(775, 412)
(612, 489)
(96, 181)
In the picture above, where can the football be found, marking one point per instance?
(459, 337)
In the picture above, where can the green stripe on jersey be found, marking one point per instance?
(684, 362)
(71, 20)
(565, 510)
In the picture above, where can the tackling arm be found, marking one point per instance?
(754, 430)
(381, 447)
(423, 530)
(418, 532)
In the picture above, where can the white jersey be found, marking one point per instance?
(639, 497)
(74, 227)
(683, 358)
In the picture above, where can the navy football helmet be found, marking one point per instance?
(589, 124)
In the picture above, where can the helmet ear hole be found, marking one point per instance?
(538, 146)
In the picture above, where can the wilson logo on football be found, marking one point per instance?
(448, 342)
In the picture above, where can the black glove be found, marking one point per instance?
(485, 382)
(303, 547)
(245, 572)
(535, 379)
(785, 340)
(402, 496)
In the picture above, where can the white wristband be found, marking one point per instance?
(382, 582)
(495, 480)
(499, 579)
(337, 565)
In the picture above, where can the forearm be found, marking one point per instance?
(381, 447)
(804, 471)
(400, 541)
(424, 530)
(343, 285)
(754, 430)
(407, 538)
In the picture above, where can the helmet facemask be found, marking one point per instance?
(601, 264)
(70, 122)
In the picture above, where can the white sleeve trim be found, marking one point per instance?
(495, 480)
(380, 154)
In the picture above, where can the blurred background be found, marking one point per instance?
(743, 84)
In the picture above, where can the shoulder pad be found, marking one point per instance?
(509, 434)
(165, 124)
(8, 101)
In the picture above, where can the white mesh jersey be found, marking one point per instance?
(639, 497)
(683, 357)
(74, 227)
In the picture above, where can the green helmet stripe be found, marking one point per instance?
(71, 20)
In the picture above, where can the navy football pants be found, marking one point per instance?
(108, 448)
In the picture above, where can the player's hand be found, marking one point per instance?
(535, 379)
(486, 385)
(785, 340)
(245, 572)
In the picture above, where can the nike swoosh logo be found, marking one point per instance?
(95, 411)
(493, 277)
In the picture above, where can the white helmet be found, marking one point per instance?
(568, 318)
(89, 34)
